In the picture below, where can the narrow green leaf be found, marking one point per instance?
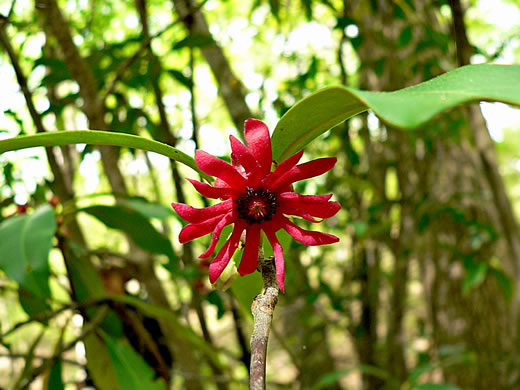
(87, 284)
(406, 108)
(159, 312)
(179, 76)
(333, 377)
(148, 209)
(29, 359)
(136, 225)
(97, 137)
(99, 363)
(131, 370)
(55, 377)
(194, 40)
(504, 282)
(475, 275)
(435, 386)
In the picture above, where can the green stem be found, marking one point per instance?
(96, 137)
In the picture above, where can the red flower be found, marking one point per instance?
(255, 199)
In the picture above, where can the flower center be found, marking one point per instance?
(256, 206)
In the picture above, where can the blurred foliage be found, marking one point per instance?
(95, 289)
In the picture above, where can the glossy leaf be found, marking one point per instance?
(97, 137)
(406, 108)
(136, 225)
(24, 252)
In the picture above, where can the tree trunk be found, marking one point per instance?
(450, 186)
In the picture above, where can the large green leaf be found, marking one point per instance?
(131, 370)
(136, 225)
(24, 251)
(406, 108)
(96, 137)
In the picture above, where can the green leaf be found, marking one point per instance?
(148, 209)
(475, 275)
(131, 370)
(504, 282)
(406, 108)
(55, 381)
(97, 137)
(87, 285)
(194, 40)
(179, 76)
(159, 312)
(246, 288)
(136, 225)
(435, 386)
(24, 252)
(99, 363)
(333, 377)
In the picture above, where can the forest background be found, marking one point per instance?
(420, 293)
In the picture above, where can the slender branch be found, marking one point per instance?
(263, 310)
(47, 364)
(144, 46)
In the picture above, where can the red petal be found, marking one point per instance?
(278, 256)
(216, 167)
(284, 166)
(221, 260)
(320, 210)
(291, 211)
(304, 171)
(249, 260)
(307, 237)
(229, 218)
(194, 215)
(245, 158)
(305, 198)
(259, 143)
(196, 230)
(213, 192)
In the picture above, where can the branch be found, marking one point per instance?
(262, 309)
(230, 87)
(47, 364)
(144, 46)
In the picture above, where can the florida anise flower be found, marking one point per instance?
(255, 199)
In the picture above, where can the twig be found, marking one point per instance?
(144, 46)
(47, 364)
(262, 309)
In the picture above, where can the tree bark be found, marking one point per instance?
(230, 87)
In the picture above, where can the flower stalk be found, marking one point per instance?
(263, 309)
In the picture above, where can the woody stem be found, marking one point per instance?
(262, 308)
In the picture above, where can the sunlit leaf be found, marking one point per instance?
(406, 108)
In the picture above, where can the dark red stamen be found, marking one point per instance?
(256, 206)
